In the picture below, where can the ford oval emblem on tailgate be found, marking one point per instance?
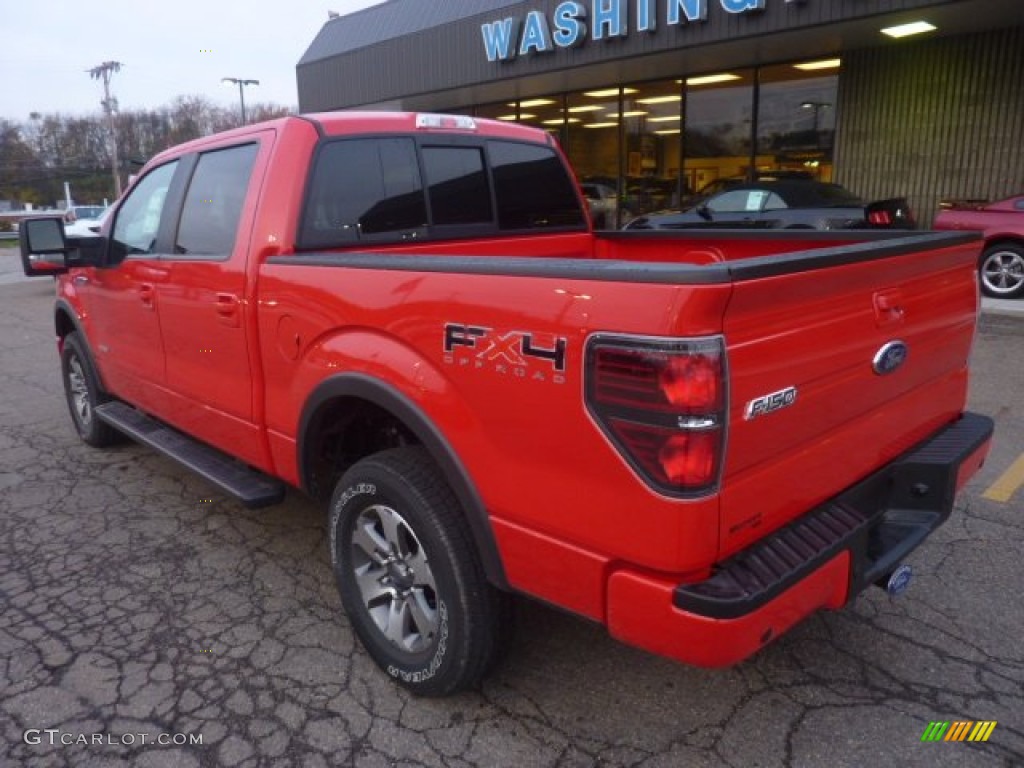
(890, 357)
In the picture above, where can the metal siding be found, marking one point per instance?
(389, 20)
(933, 120)
(444, 54)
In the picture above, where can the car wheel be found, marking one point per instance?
(1002, 271)
(409, 575)
(83, 393)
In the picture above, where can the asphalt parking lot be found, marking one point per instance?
(136, 602)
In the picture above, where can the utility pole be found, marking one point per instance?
(103, 72)
(241, 83)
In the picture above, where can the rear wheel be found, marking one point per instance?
(409, 576)
(83, 394)
(1002, 271)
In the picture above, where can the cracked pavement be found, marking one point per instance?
(134, 599)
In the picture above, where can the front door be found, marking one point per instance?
(121, 300)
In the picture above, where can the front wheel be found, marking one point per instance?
(83, 393)
(409, 575)
(1002, 271)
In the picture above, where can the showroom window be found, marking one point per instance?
(796, 122)
(592, 146)
(652, 117)
(719, 116)
(651, 145)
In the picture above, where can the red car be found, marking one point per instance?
(1001, 266)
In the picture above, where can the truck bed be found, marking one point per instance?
(807, 310)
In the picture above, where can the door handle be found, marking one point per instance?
(227, 309)
(889, 308)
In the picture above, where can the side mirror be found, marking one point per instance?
(704, 212)
(46, 250)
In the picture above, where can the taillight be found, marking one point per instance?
(662, 403)
(880, 218)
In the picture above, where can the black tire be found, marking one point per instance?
(1001, 271)
(411, 579)
(82, 392)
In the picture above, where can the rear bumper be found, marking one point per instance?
(821, 560)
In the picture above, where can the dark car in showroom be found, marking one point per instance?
(782, 203)
(1001, 264)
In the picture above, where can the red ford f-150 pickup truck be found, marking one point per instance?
(697, 439)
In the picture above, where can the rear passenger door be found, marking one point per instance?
(205, 306)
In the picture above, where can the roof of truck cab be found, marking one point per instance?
(359, 123)
(341, 123)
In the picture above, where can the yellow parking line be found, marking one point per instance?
(1008, 484)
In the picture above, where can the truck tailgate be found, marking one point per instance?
(836, 368)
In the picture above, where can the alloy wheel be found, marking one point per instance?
(394, 578)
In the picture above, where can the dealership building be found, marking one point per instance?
(656, 98)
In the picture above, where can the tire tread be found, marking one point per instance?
(485, 609)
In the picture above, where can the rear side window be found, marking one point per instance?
(736, 201)
(533, 188)
(457, 182)
(213, 203)
(362, 188)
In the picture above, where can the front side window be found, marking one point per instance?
(533, 188)
(364, 188)
(213, 202)
(138, 219)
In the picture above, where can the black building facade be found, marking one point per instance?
(654, 99)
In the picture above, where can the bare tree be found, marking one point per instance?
(37, 157)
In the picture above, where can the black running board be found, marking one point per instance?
(254, 489)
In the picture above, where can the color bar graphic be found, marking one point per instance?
(959, 730)
(982, 730)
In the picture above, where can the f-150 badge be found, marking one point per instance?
(776, 401)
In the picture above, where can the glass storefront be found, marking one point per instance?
(796, 123)
(647, 146)
(719, 122)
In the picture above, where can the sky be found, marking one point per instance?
(167, 48)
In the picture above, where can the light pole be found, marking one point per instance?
(103, 72)
(241, 89)
(817, 106)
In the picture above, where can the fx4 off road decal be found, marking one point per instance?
(520, 354)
